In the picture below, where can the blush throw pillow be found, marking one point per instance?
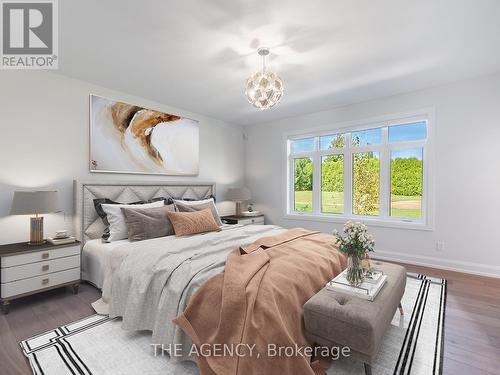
(146, 223)
(186, 223)
(190, 206)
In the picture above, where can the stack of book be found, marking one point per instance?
(369, 288)
(251, 213)
(61, 240)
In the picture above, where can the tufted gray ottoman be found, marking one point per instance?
(338, 319)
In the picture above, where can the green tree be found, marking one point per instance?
(332, 168)
(366, 183)
(332, 173)
(406, 176)
(338, 142)
(303, 174)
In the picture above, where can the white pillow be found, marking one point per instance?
(192, 203)
(117, 224)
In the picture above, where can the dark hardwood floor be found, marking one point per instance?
(36, 314)
(472, 323)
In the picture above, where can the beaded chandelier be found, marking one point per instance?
(264, 89)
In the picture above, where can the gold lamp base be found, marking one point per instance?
(36, 232)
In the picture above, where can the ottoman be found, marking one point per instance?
(338, 319)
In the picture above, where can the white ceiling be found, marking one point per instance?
(196, 55)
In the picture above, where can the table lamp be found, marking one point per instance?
(238, 195)
(35, 203)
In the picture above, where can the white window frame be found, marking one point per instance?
(384, 220)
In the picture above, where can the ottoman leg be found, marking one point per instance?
(368, 369)
(400, 307)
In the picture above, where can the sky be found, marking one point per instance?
(407, 153)
(408, 132)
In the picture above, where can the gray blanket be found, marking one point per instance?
(149, 283)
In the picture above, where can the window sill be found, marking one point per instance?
(399, 224)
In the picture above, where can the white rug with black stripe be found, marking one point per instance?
(97, 345)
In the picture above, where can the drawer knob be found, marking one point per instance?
(45, 255)
(45, 267)
(45, 281)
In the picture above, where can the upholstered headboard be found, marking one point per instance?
(88, 225)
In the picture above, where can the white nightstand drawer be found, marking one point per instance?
(249, 221)
(39, 256)
(39, 268)
(15, 288)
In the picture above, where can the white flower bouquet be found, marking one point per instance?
(356, 243)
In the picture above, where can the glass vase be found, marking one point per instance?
(355, 272)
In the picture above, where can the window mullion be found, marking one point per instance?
(348, 176)
(385, 176)
(291, 182)
(316, 183)
(425, 187)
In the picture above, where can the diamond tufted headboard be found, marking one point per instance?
(88, 225)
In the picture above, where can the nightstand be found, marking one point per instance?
(26, 269)
(243, 220)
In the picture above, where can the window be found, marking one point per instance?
(408, 132)
(366, 137)
(332, 184)
(303, 184)
(330, 142)
(368, 173)
(407, 183)
(366, 183)
(303, 145)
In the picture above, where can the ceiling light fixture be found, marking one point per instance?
(264, 89)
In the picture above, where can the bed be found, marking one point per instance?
(89, 227)
(152, 284)
(95, 256)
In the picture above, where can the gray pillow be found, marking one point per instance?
(120, 229)
(198, 207)
(146, 223)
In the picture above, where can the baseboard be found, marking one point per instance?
(444, 264)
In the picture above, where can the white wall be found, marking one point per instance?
(44, 143)
(467, 141)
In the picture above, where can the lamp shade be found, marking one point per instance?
(238, 194)
(34, 202)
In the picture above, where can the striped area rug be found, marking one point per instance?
(413, 344)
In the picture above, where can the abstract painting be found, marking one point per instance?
(126, 138)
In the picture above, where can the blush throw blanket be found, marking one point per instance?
(258, 300)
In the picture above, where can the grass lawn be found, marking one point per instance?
(406, 213)
(333, 202)
(303, 201)
(409, 207)
(399, 198)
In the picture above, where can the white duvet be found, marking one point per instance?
(149, 283)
